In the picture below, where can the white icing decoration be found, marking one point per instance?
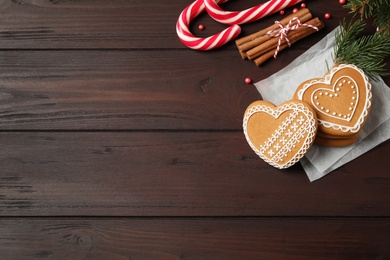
(327, 80)
(327, 111)
(294, 126)
(305, 131)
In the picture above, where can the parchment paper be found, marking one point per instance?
(314, 63)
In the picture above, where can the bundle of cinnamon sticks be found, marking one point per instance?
(260, 46)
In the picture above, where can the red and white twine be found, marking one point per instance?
(283, 31)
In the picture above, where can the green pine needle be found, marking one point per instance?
(367, 52)
(379, 10)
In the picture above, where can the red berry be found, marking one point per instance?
(281, 12)
(201, 27)
(248, 81)
(303, 5)
(295, 10)
(342, 2)
(327, 16)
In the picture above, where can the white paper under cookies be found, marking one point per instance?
(281, 86)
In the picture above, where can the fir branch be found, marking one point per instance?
(382, 19)
(366, 52)
(378, 9)
(367, 8)
(346, 36)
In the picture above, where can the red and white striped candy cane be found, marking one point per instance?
(247, 16)
(193, 42)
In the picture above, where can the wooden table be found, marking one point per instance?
(118, 142)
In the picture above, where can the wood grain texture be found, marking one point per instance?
(127, 90)
(53, 24)
(192, 238)
(118, 142)
(175, 174)
(73, 90)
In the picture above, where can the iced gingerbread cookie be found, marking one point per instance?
(342, 101)
(325, 140)
(280, 135)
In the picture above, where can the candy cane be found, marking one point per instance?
(249, 15)
(212, 42)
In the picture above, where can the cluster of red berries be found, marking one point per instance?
(303, 5)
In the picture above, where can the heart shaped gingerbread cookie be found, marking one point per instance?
(280, 135)
(342, 100)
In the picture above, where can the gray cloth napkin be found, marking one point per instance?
(314, 63)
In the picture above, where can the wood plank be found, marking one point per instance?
(113, 90)
(175, 174)
(127, 90)
(192, 238)
(48, 24)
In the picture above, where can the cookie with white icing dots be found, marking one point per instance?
(280, 135)
(342, 101)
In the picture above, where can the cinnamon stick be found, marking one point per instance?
(301, 13)
(261, 39)
(260, 60)
(299, 34)
(243, 54)
(272, 43)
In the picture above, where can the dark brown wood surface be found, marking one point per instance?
(118, 142)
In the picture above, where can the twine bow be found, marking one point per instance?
(283, 31)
